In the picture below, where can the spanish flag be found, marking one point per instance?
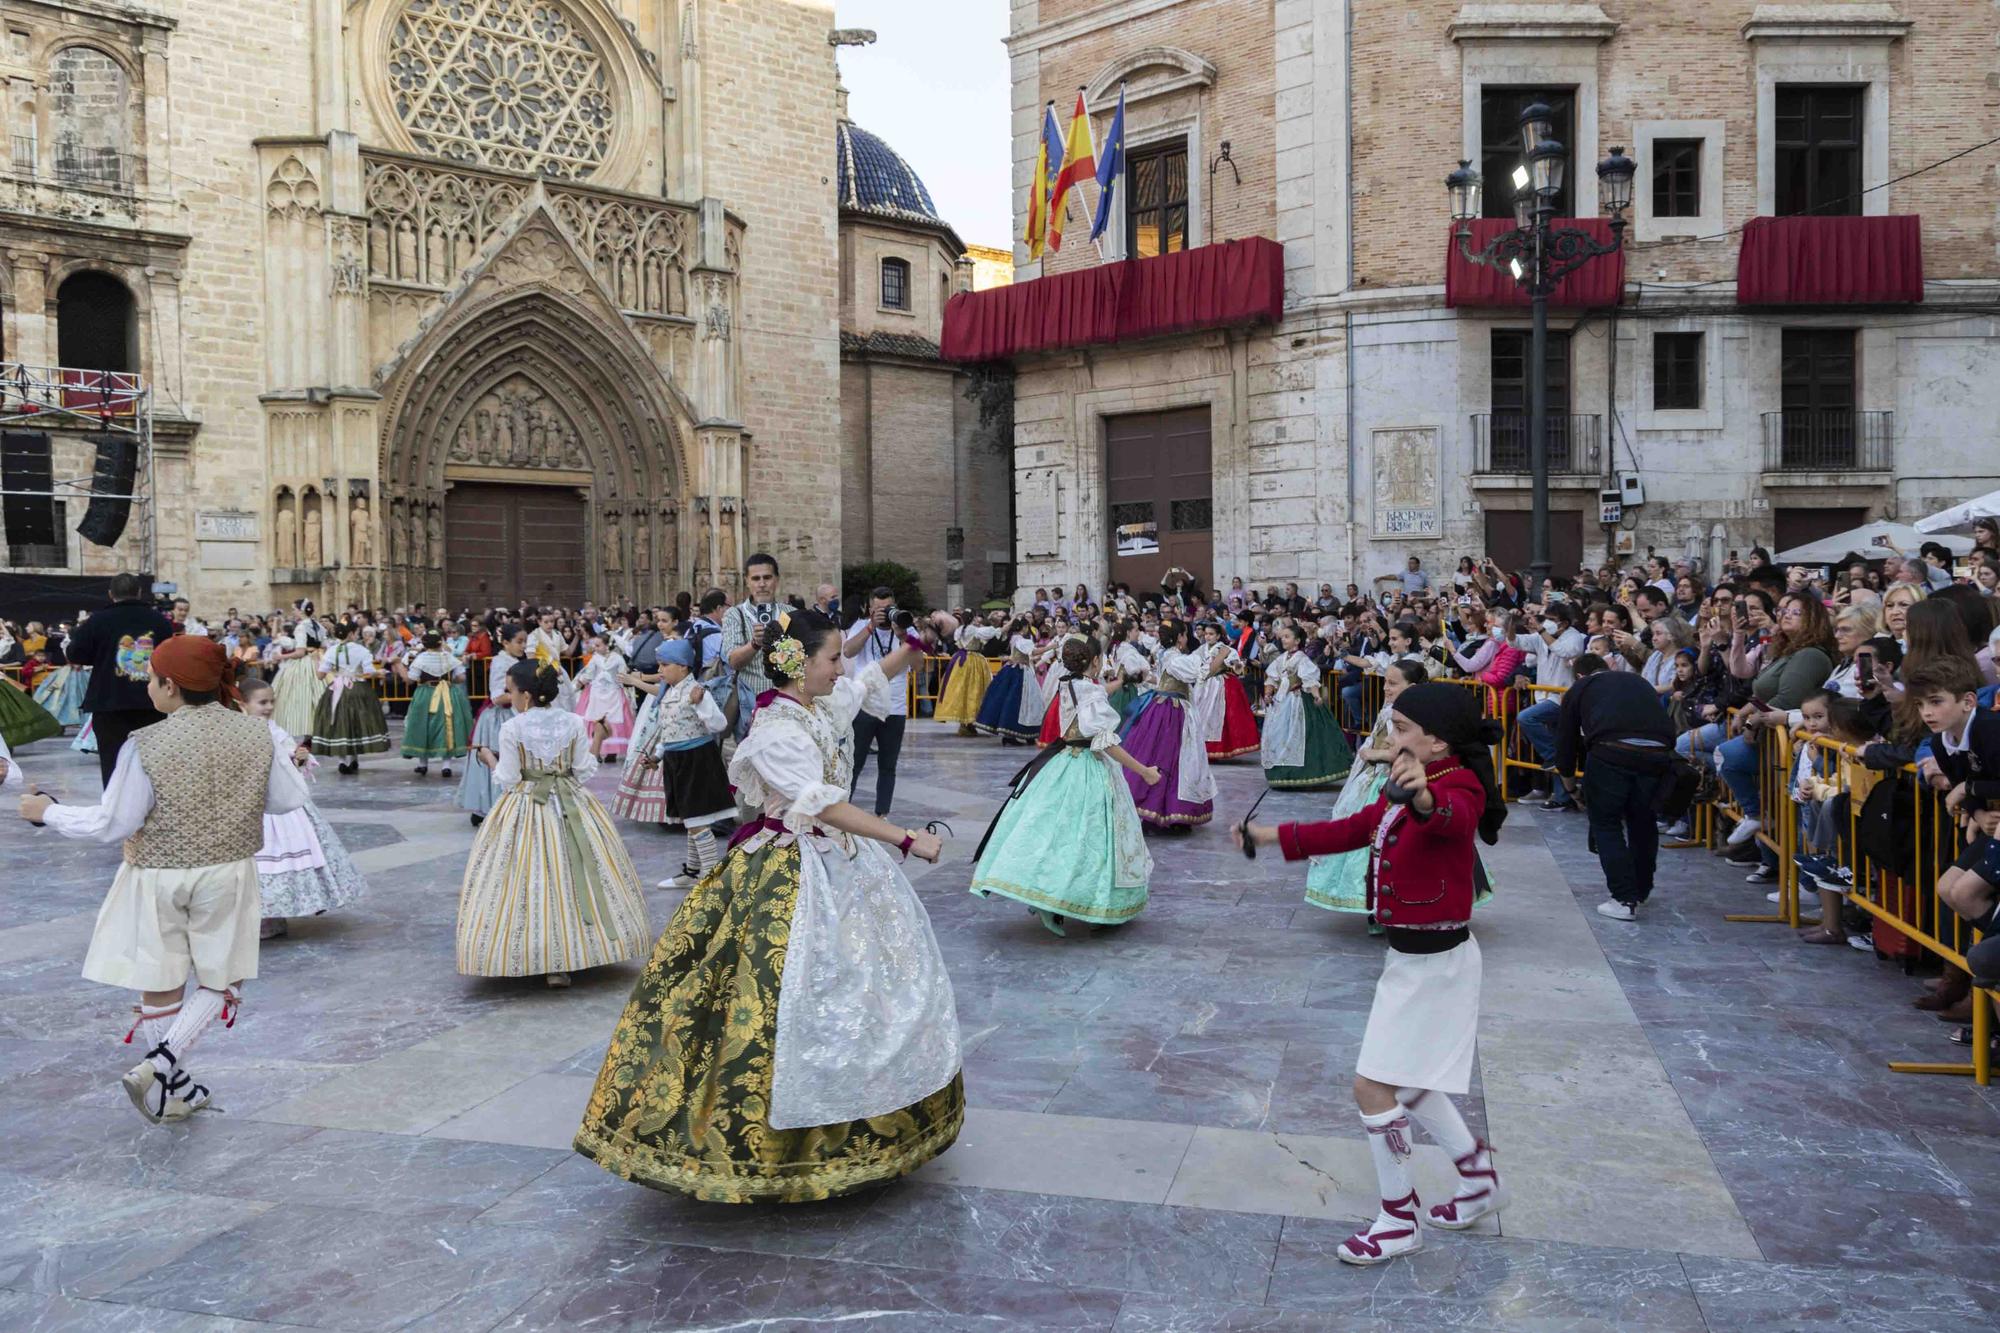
(1048, 159)
(1079, 164)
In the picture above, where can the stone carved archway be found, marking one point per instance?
(527, 387)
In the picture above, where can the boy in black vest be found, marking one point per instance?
(1965, 746)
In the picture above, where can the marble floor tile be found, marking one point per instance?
(81, 1238)
(35, 1312)
(1785, 1297)
(1081, 1156)
(352, 1270)
(1070, 1241)
(1300, 1175)
(420, 1178)
(670, 1287)
(1475, 1282)
(539, 1112)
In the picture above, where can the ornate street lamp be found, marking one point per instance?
(1539, 254)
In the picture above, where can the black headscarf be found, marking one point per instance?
(1449, 713)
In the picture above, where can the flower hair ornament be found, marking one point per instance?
(787, 654)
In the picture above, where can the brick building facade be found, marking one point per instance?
(446, 302)
(1375, 418)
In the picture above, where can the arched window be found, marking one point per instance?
(96, 324)
(88, 106)
(895, 284)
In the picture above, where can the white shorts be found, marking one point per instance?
(1425, 1020)
(157, 926)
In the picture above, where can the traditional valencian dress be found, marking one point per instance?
(297, 687)
(545, 648)
(1013, 702)
(971, 673)
(1302, 745)
(477, 790)
(1168, 735)
(1068, 839)
(549, 887)
(794, 1036)
(1225, 708)
(349, 719)
(641, 794)
(603, 699)
(22, 719)
(1123, 677)
(303, 868)
(439, 725)
(1339, 883)
(61, 693)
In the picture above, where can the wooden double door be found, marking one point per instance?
(506, 544)
(1159, 484)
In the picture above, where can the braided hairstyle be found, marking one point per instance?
(540, 683)
(1078, 652)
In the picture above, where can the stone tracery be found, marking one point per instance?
(510, 83)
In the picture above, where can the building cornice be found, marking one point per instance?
(1078, 25)
(1840, 23)
(1531, 23)
(111, 10)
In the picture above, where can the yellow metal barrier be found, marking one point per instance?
(926, 681)
(1780, 830)
(1912, 906)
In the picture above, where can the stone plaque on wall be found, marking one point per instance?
(1036, 516)
(227, 525)
(1406, 481)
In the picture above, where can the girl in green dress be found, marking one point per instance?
(1339, 883)
(1302, 745)
(1067, 842)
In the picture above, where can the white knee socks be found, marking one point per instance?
(1389, 1142)
(201, 1007)
(152, 1026)
(1440, 1118)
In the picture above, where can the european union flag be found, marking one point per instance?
(1110, 164)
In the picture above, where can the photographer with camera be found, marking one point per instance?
(870, 639)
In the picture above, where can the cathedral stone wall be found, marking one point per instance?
(769, 155)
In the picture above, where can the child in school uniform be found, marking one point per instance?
(1422, 1028)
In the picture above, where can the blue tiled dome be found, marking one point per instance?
(873, 178)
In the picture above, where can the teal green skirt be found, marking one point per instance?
(1070, 844)
(440, 722)
(1122, 697)
(1328, 757)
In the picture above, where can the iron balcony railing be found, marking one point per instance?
(75, 165)
(1501, 440)
(1828, 440)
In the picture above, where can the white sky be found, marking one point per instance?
(934, 85)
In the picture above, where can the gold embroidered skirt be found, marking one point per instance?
(682, 1102)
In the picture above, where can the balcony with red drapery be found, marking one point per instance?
(1210, 286)
(1831, 261)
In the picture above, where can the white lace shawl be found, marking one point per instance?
(552, 735)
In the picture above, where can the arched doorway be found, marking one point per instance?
(533, 455)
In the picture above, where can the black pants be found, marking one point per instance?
(110, 730)
(886, 734)
(1618, 794)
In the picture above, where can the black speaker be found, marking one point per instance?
(110, 490)
(25, 466)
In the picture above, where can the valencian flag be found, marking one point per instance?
(1079, 164)
(1110, 165)
(1048, 160)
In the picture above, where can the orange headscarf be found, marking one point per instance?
(198, 664)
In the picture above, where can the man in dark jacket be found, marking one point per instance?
(117, 644)
(1612, 723)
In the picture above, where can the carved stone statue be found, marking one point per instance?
(313, 531)
(614, 558)
(285, 551)
(433, 537)
(642, 546)
(398, 535)
(360, 533)
(728, 561)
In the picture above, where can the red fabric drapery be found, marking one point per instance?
(1210, 286)
(1831, 261)
(1600, 282)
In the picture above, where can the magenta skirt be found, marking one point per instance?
(1155, 740)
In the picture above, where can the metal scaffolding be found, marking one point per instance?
(67, 401)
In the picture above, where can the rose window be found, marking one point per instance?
(506, 83)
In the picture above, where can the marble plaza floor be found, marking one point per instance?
(1694, 1118)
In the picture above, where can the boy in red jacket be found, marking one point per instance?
(1421, 1029)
